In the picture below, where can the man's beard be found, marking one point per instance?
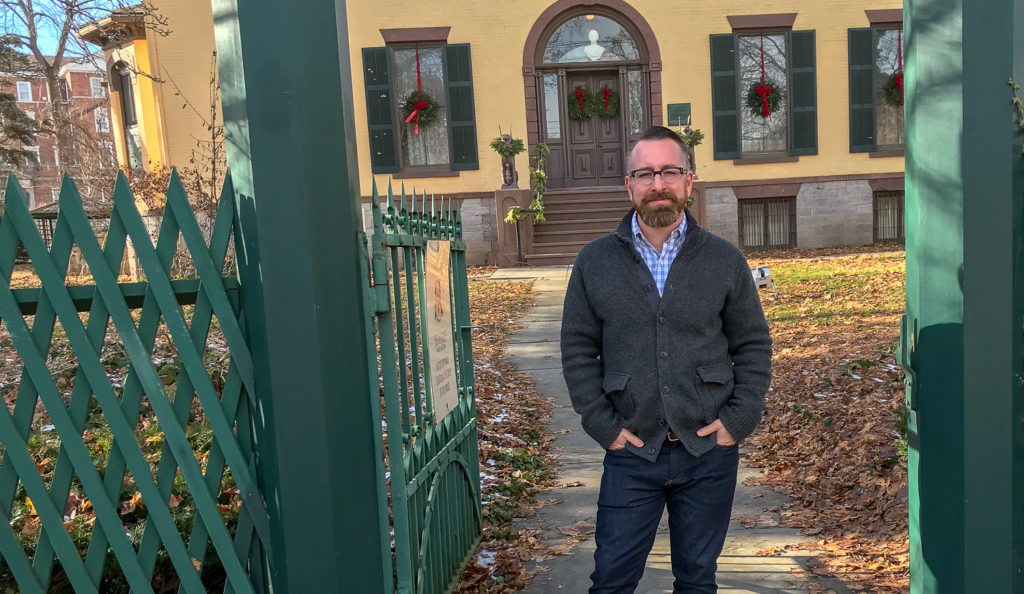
(662, 215)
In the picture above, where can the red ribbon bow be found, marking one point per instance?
(418, 106)
(579, 98)
(606, 93)
(763, 91)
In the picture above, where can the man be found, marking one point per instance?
(667, 357)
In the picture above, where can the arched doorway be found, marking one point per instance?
(604, 55)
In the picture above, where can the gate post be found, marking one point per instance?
(962, 336)
(287, 99)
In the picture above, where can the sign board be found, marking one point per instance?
(444, 388)
(678, 114)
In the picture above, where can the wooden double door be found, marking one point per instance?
(595, 147)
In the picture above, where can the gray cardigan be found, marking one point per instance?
(636, 360)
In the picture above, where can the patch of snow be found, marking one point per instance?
(486, 558)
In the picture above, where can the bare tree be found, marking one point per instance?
(35, 23)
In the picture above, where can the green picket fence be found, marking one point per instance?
(132, 467)
(432, 463)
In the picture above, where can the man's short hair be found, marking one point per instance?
(660, 133)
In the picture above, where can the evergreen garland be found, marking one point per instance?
(613, 104)
(574, 104)
(755, 104)
(428, 112)
(891, 91)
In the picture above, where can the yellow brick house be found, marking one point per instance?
(824, 168)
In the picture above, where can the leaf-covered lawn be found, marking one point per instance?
(833, 435)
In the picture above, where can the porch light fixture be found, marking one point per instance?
(590, 17)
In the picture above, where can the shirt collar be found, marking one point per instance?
(638, 235)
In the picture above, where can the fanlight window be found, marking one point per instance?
(590, 38)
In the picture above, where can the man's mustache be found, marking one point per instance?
(660, 196)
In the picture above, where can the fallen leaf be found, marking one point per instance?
(132, 504)
(580, 528)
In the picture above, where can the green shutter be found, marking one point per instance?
(862, 95)
(803, 93)
(461, 115)
(379, 112)
(724, 114)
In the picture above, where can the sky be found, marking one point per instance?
(48, 37)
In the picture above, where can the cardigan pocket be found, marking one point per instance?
(714, 385)
(616, 389)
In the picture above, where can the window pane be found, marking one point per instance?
(766, 223)
(134, 147)
(759, 134)
(778, 223)
(599, 39)
(430, 146)
(888, 216)
(551, 104)
(888, 116)
(96, 86)
(636, 102)
(752, 214)
(24, 91)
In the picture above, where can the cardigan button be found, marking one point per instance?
(663, 355)
(661, 319)
(661, 422)
(664, 389)
(652, 450)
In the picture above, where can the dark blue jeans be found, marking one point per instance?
(634, 493)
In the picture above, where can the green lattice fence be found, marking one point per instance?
(432, 464)
(127, 446)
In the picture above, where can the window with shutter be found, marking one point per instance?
(876, 93)
(787, 61)
(391, 76)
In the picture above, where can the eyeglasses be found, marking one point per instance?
(669, 175)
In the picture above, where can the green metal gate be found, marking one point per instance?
(432, 464)
(171, 492)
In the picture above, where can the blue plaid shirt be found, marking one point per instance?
(657, 263)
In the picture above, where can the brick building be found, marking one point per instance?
(90, 149)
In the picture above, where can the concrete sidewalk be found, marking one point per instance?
(535, 350)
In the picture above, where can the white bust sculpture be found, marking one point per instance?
(593, 51)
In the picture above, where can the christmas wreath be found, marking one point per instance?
(419, 109)
(607, 105)
(584, 104)
(580, 104)
(892, 90)
(763, 98)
